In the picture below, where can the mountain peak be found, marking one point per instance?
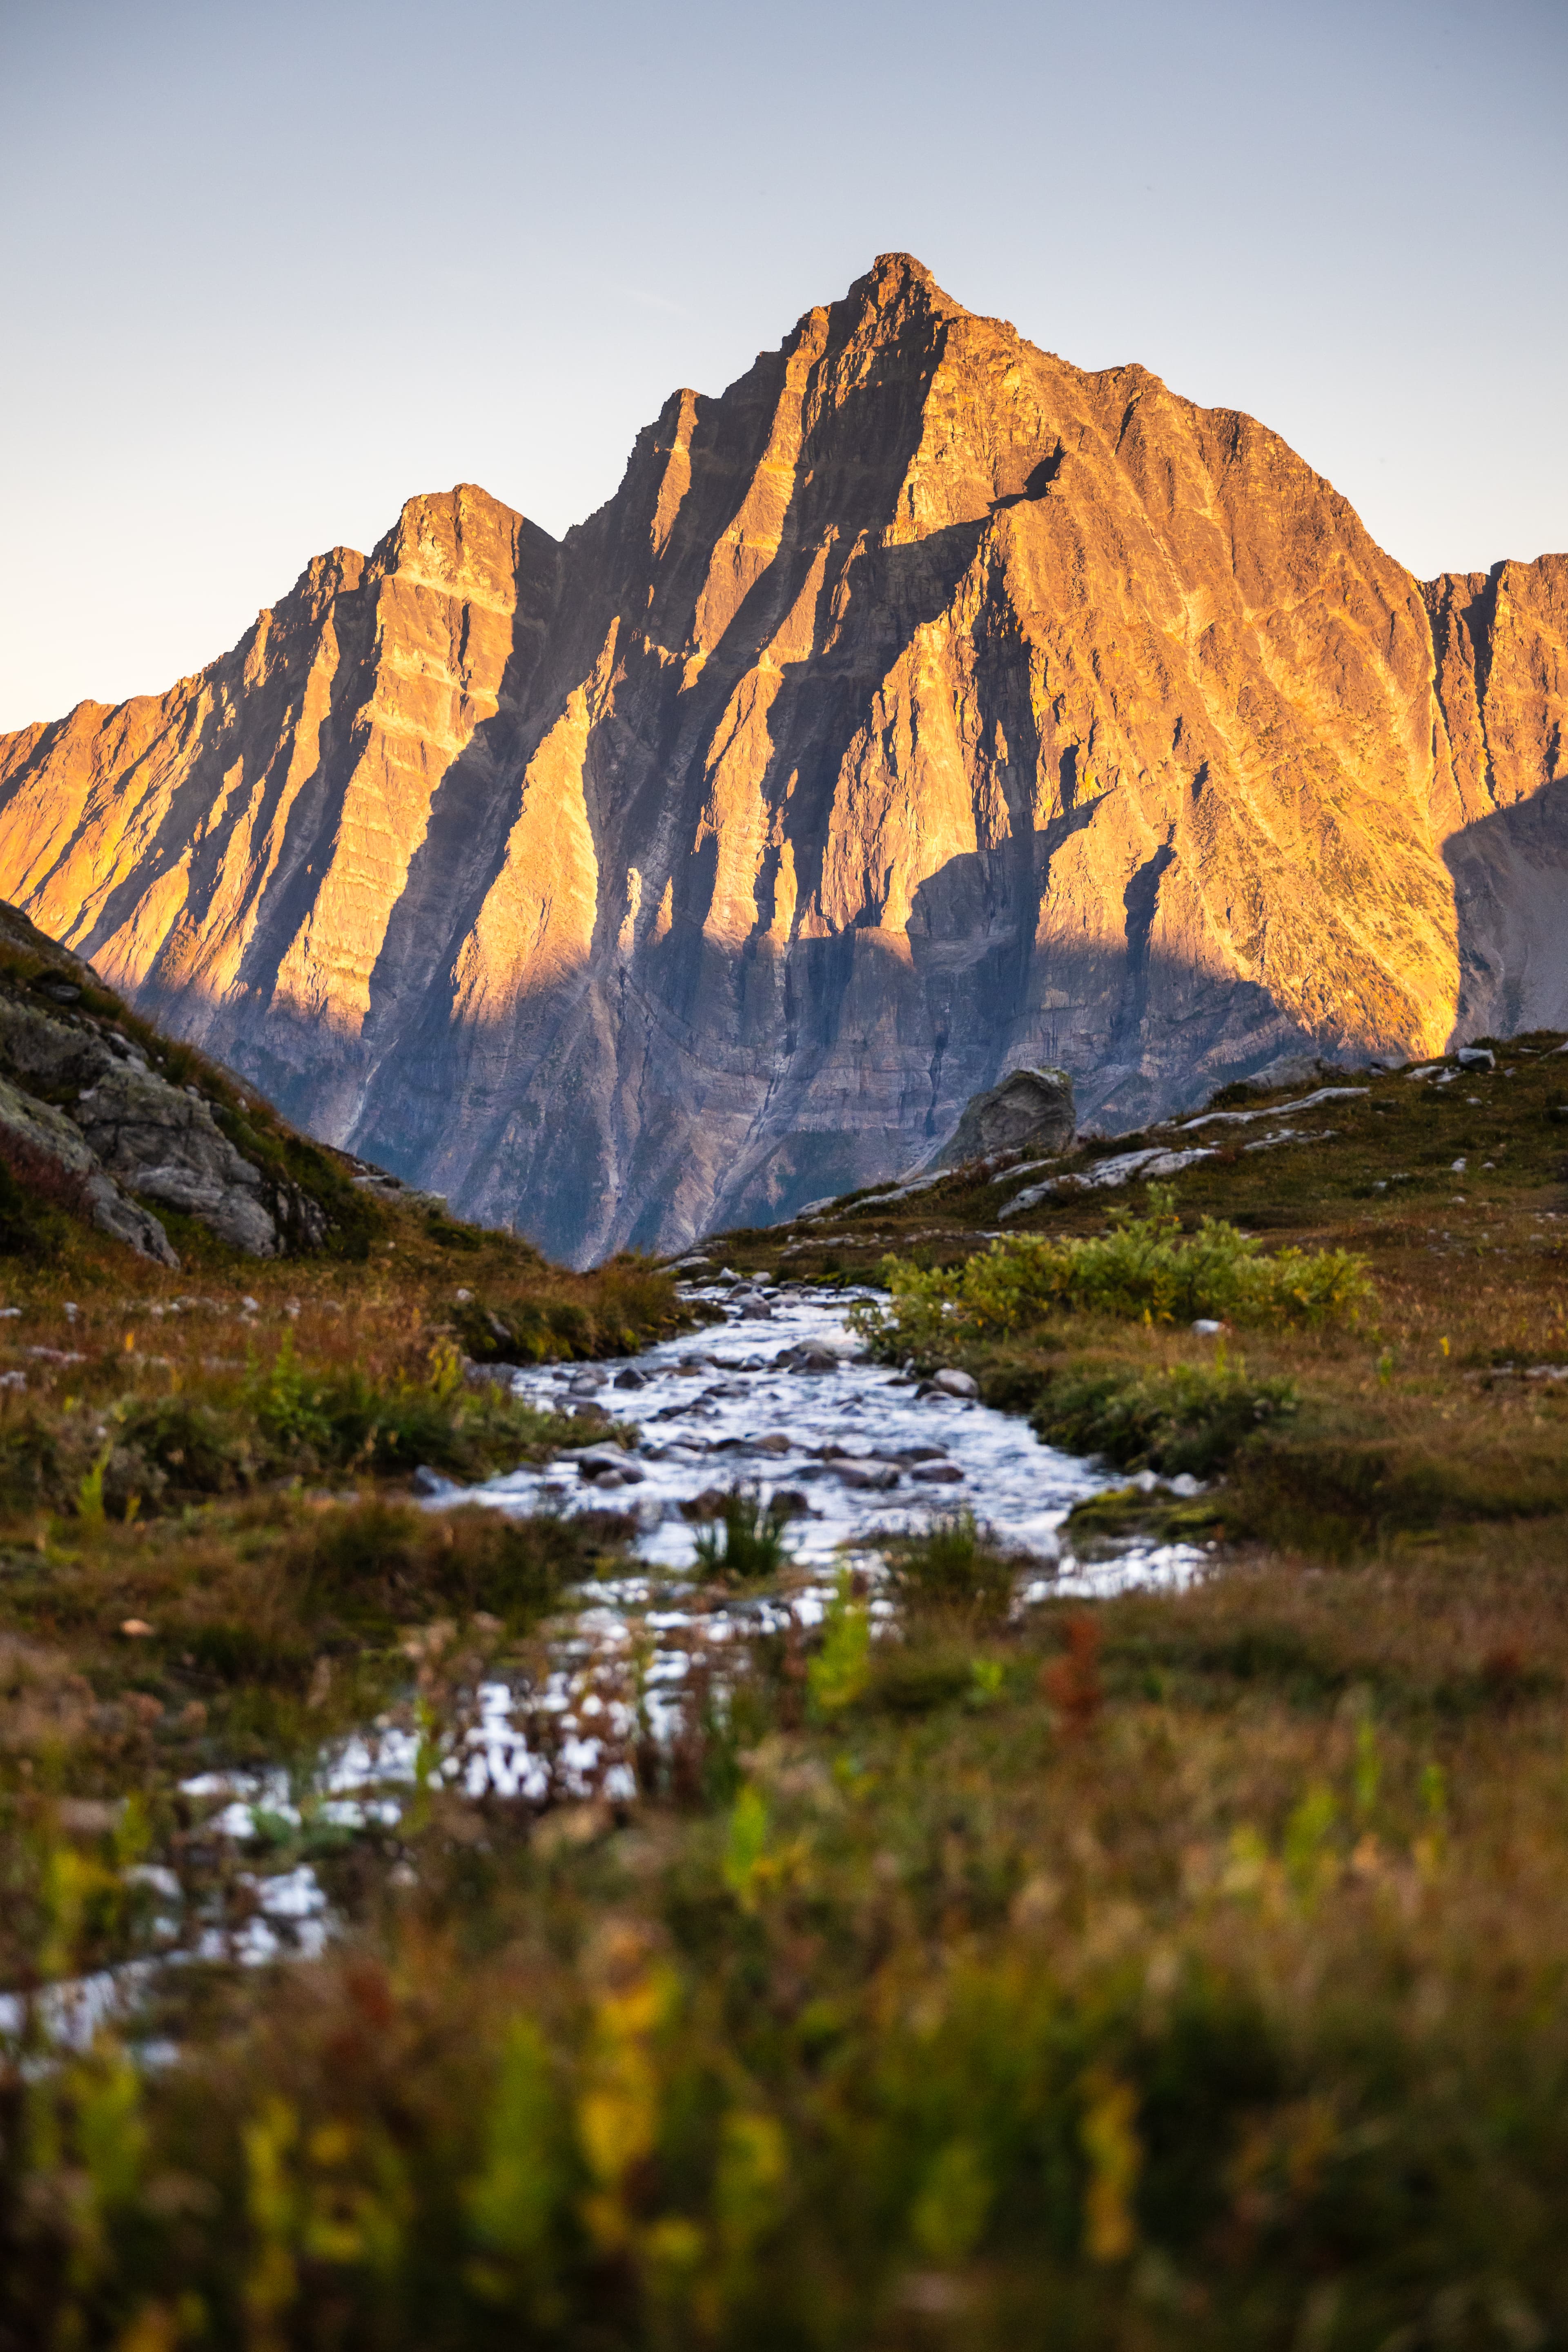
(900, 269)
(896, 280)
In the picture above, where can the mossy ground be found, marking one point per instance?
(1190, 1969)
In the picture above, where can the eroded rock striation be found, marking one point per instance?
(922, 708)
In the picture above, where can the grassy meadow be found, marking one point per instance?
(1186, 1969)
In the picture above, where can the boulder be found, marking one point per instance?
(1295, 1069)
(166, 1145)
(41, 1131)
(1030, 1111)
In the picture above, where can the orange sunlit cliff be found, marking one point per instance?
(921, 707)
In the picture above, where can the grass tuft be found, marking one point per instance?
(744, 1544)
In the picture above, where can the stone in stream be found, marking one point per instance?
(776, 1442)
(811, 1356)
(631, 1379)
(938, 1474)
(878, 1477)
(605, 1465)
(953, 1384)
(430, 1485)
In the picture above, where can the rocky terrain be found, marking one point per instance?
(922, 707)
(102, 1117)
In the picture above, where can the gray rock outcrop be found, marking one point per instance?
(165, 1144)
(79, 1097)
(40, 1129)
(1031, 1110)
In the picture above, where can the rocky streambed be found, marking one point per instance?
(783, 1398)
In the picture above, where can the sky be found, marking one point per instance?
(267, 270)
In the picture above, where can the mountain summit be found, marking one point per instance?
(921, 707)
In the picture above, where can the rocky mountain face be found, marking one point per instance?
(921, 709)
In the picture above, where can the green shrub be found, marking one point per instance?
(346, 1420)
(918, 1678)
(447, 1233)
(624, 1305)
(34, 1466)
(952, 1565)
(1143, 1268)
(533, 1331)
(185, 1442)
(1191, 1418)
(378, 1559)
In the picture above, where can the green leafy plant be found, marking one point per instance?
(289, 1401)
(1143, 1268)
(1192, 1417)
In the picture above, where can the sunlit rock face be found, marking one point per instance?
(921, 708)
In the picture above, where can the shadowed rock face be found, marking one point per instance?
(921, 709)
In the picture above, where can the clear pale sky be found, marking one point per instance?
(269, 269)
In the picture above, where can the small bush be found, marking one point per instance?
(952, 1565)
(382, 1559)
(346, 1420)
(1191, 1418)
(35, 1467)
(618, 1307)
(447, 1233)
(1143, 1268)
(186, 1443)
